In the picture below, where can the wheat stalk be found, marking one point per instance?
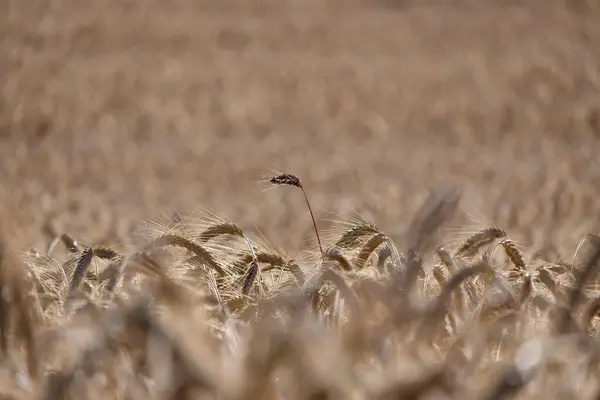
(292, 180)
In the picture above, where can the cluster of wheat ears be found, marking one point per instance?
(203, 311)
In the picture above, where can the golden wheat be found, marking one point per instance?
(478, 240)
(175, 323)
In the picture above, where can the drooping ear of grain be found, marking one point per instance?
(478, 240)
(105, 253)
(368, 249)
(345, 290)
(352, 236)
(337, 256)
(225, 228)
(442, 301)
(262, 257)
(514, 255)
(179, 241)
(442, 276)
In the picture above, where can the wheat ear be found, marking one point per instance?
(225, 228)
(336, 255)
(340, 283)
(351, 237)
(442, 275)
(514, 255)
(179, 241)
(480, 239)
(292, 180)
(250, 277)
(440, 304)
(261, 257)
(368, 249)
(83, 262)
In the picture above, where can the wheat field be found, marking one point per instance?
(158, 158)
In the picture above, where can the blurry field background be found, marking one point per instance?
(113, 112)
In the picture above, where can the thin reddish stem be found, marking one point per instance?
(312, 216)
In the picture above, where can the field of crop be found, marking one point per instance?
(447, 149)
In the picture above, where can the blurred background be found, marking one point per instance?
(113, 112)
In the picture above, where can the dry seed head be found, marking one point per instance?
(250, 277)
(261, 257)
(441, 303)
(369, 247)
(513, 254)
(106, 253)
(344, 289)
(480, 239)
(286, 179)
(337, 256)
(351, 237)
(220, 229)
(179, 241)
(226, 228)
(83, 262)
